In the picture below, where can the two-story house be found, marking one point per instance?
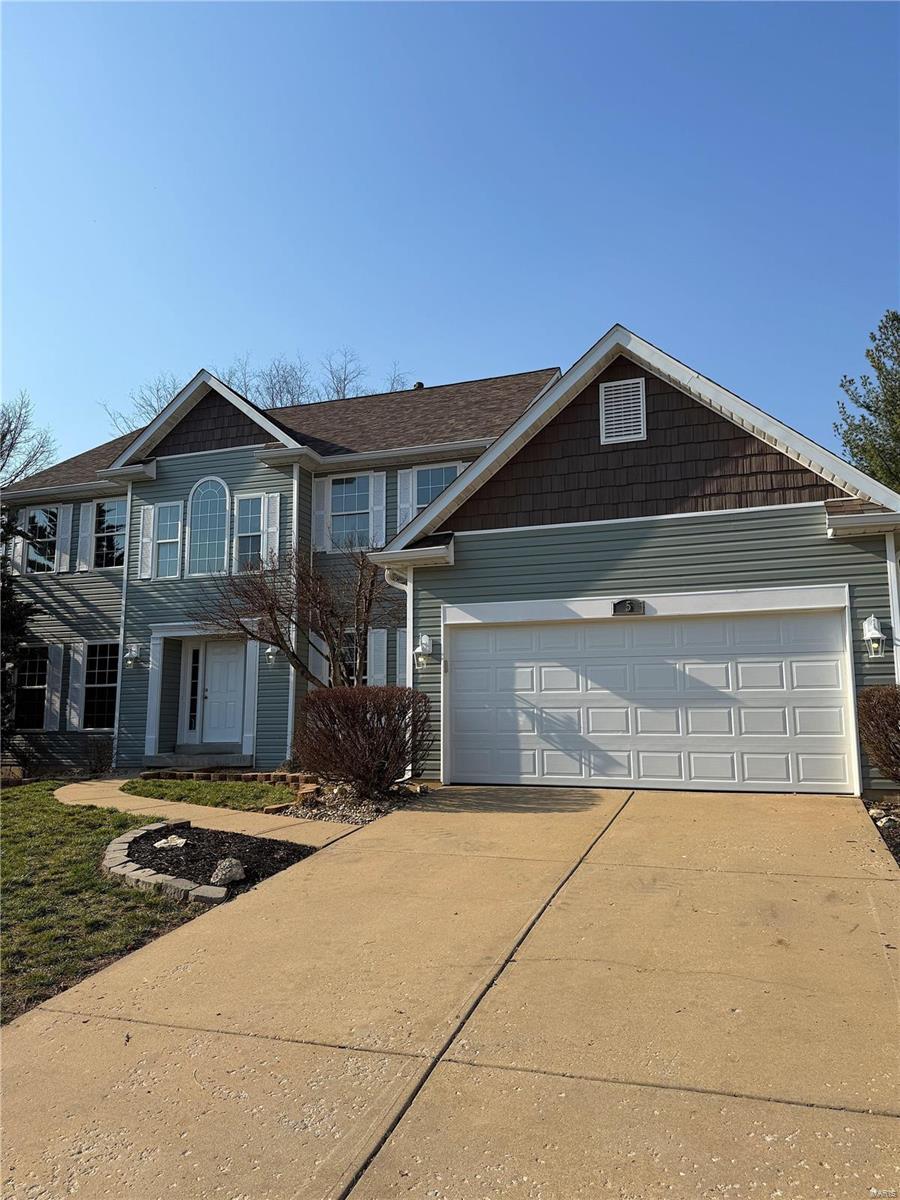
(621, 574)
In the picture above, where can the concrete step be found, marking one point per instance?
(198, 762)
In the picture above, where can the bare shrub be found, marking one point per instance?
(367, 736)
(879, 728)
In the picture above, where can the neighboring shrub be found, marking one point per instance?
(879, 728)
(367, 736)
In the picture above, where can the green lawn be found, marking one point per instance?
(61, 918)
(245, 797)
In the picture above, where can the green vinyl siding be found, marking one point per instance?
(781, 547)
(159, 601)
(71, 607)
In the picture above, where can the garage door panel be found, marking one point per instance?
(726, 703)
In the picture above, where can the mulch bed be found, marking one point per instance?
(890, 832)
(204, 849)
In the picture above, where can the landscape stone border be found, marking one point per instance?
(116, 862)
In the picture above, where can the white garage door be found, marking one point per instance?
(753, 703)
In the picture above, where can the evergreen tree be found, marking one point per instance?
(871, 435)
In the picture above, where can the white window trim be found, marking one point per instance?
(263, 520)
(43, 725)
(88, 642)
(154, 566)
(95, 535)
(608, 440)
(188, 573)
(329, 510)
(41, 508)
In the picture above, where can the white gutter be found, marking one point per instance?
(423, 556)
(854, 524)
(136, 471)
(63, 491)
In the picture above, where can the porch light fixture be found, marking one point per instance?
(873, 637)
(271, 654)
(422, 652)
(132, 655)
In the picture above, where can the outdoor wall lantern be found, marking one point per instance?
(271, 654)
(423, 651)
(873, 637)
(132, 655)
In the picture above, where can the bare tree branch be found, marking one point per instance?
(284, 382)
(146, 402)
(397, 380)
(286, 604)
(24, 449)
(342, 375)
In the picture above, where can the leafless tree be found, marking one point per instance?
(343, 375)
(284, 382)
(289, 603)
(397, 380)
(144, 403)
(24, 448)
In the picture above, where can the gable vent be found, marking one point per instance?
(622, 411)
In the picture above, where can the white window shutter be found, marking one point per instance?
(376, 510)
(76, 684)
(406, 508)
(85, 537)
(273, 528)
(376, 658)
(623, 415)
(146, 567)
(321, 492)
(17, 556)
(54, 687)
(319, 663)
(401, 657)
(63, 538)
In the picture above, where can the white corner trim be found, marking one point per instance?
(154, 693)
(183, 401)
(893, 571)
(295, 551)
(122, 609)
(619, 340)
(666, 604)
(251, 686)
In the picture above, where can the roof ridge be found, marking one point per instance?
(435, 387)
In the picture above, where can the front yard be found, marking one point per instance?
(63, 920)
(245, 797)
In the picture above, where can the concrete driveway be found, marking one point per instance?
(505, 992)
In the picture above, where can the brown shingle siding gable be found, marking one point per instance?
(693, 460)
(212, 424)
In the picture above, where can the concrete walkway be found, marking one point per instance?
(535, 993)
(106, 793)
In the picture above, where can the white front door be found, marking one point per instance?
(743, 703)
(223, 692)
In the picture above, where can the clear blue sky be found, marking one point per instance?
(469, 189)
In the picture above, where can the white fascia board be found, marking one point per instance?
(63, 491)
(853, 525)
(172, 413)
(424, 556)
(665, 604)
(620, 340)
(333, 463)
(136, 471)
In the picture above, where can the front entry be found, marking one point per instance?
(212, 692)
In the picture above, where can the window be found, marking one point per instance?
(348, 654)
(168, 541)
(350, 511)
(109, 533)
(101, 679)
(31, 688)
(622, 411)
(208, 522)
(249, 532)
(194, 693)
(431, 481)
(41, 526)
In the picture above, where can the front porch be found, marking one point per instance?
(201, 698)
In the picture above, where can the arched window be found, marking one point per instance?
(208, 521)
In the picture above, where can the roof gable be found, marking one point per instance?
(621, 341)
(179, 409)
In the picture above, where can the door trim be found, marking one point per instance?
(192, 630)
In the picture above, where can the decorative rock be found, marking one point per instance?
(228, 870)
(876, 812)
(208, 895)
(169, 843)
(888, 820)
